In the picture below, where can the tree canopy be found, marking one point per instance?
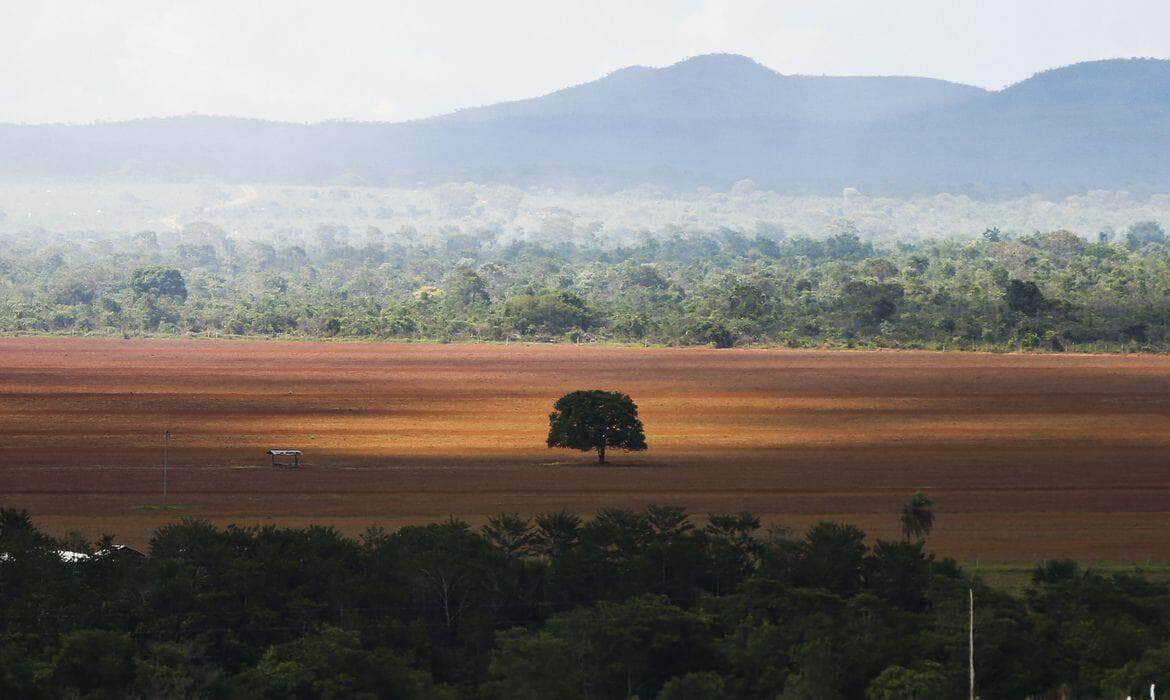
(918, 516)
(596, 420)
(653, 603)
(159, 281)
(1055, 290)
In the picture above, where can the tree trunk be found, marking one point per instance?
(601, 454)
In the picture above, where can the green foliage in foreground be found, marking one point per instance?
(1052, 291)
(651, 604)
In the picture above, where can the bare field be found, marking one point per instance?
(1027, 456)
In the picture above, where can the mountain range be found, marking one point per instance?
(708, 120)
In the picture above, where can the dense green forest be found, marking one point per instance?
(650, 604)
(1051, 290)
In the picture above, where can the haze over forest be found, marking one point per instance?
(711, 120)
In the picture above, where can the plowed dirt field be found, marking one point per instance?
(1027, 456)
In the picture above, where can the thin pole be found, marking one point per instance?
(166, 462)
(971, 643)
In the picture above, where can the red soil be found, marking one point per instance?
(1026, 456)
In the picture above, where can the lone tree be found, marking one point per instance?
(918, 516)
(595, 420)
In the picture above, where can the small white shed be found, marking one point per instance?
(285, 458)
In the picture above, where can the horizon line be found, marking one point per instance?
(104, 121)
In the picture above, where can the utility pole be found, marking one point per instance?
(166, 462)
(971, 643)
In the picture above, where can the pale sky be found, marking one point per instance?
(308, 60)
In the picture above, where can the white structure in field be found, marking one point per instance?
(280, 458)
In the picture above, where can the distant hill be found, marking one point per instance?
(720, 86)
(707, 120)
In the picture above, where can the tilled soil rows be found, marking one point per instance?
(1027, 456)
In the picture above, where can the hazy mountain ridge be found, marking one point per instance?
(727, 85)
(707, 120)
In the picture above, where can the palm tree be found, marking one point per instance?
(917, 516)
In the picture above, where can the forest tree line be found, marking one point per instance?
(1054, 290)
(650, 604)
